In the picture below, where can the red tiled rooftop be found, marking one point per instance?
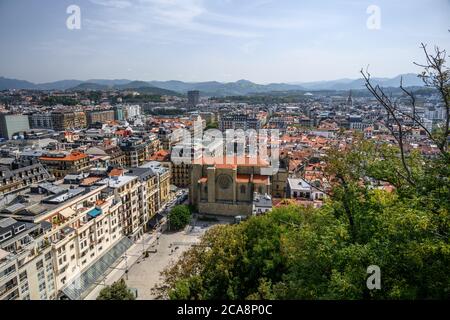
(74, 156)
(89, 181)
(261, 179)
(232, 162)
(243, 178)
(116, 172)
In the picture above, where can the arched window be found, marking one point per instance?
(242, 189)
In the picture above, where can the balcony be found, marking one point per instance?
(7, 288)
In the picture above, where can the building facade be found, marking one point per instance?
(11, 124)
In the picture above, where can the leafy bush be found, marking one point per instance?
(117, 291)
(179, 217)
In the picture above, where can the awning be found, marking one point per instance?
(67, 212)
(155, 220)
(84, 282)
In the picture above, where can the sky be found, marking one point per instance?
(264, 41)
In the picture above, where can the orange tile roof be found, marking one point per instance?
(74, 156)
(161, 155)
(116, 172)
(261, 179)
(243, 178)
(89, 181)
(232, 162)
(225, 166)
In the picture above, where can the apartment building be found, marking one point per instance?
(79, 238)
(41, 120)
(136, 150)
(11, 124)
(67, 120)
(181, 174)
(237, 121)
(149, 201)
(112, 155)
(100, 116)
(163, 180)
(26, 264)
(126, 189)
(17, 176)
(61, 164)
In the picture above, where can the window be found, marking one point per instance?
(19, 229)
(23, 276)
(48, 256)
(24, 288)
(39, 264)
(243, 189)
(42, 287)
(5, 236)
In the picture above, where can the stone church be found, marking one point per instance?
(228, 187)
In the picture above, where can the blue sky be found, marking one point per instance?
(225, 40)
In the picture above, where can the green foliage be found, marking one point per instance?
(54, 100)
(179, 217)
(130, 98)
(117, 291)
(94, 96)
(212, 125)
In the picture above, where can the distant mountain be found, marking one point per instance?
(409, 80)
(58, 85)
(156, 91)
(8, 84)
(209, 88)
(109, 83)
(214, 88)
(89, 86)
(133, 85)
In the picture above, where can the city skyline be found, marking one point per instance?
(261, 41)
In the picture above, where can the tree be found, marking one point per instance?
(298, 253)
(117, 291)
(179, 217)
(212, 125)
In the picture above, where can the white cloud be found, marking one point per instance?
(119, 4)
(114, 26)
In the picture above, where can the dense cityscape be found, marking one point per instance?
(82, 183)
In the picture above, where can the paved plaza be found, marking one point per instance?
(146, 273)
